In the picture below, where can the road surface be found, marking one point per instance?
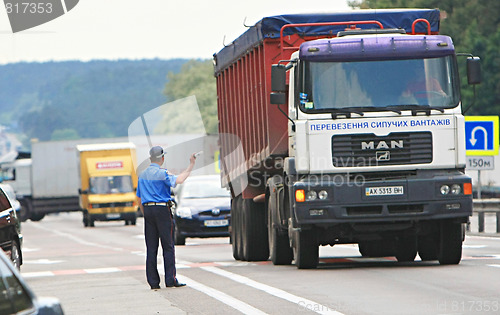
(101, 271)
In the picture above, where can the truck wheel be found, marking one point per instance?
(427, 248)
(133, 221)
(37, 216)
(364, 249)
(235, 229)
(450, 243)
(306, 249)
(279, 244)
(378, 248)
(240, 226)
(406, 249)
(85, 221)
(25, 210)
(255, 243)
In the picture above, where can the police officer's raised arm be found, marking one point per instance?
(184, 175)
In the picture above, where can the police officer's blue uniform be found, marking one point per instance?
(154, 190)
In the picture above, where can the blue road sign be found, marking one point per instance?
(481, 135)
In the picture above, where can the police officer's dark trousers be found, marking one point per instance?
(158, 226)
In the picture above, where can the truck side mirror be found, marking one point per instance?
(278, 78)
(474, 70)
(278, 98)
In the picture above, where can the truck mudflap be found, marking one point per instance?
(415, 198)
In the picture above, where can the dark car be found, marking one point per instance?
(202, 210)
(10, 231)
(17, 298)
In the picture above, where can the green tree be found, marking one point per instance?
(195, 79)
(64, 134)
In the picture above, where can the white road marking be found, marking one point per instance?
(42, 262)
(27, 249)
(302, 302)
(474, 246)
(496, 266)
(37, 274)
(221, 296)
(102, 270)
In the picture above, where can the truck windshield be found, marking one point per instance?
(375, 85)
(111, 184)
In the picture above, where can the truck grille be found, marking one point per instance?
(397, 148)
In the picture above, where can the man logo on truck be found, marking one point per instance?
(394, 144)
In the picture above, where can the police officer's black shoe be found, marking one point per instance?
(176, 284)
(155, 288)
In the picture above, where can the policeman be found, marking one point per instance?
(155, 200)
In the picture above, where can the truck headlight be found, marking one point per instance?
(184, 212)
(323, 195)
(311, 195)
(444, 190)
(456, 189)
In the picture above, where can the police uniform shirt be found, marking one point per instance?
(154, 184)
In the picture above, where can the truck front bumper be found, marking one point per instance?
(421, 196)
(112, 214)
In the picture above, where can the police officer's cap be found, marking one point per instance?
(156, 152)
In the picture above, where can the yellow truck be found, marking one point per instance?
(108, 182)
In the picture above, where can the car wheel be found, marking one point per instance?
(85, 221)
(178, 238)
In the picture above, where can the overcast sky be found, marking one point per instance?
(127, 29)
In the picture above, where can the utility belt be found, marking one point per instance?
(169, 204)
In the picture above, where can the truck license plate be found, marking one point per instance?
(113, 216)
(216, 223)
(384, 191)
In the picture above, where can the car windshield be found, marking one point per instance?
(375, 85)
(203, 189)
(111, 184)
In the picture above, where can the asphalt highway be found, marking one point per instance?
(100, 270)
